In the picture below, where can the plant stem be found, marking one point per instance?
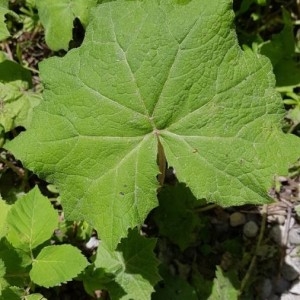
(205, 208)
(253, 261)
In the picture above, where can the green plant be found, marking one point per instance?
(155, 83)
(29, 223)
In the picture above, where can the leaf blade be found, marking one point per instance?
(31, 221)
(57, 264)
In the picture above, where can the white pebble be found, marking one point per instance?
(294, 235)
(250, 229)
(279, 219)
(92, 243)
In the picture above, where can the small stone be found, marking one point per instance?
(250, 229)
(288, 271)
(279, 219)
(266, 289)
(282, 178)
(281, 285)
(92, 243)
(237, 219)
(276, 234)
(294, 235)
(293, 259)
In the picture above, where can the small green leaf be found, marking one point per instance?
(31, 221)
(134, 266)
(225, 286)
(57, 264)
(57, 18)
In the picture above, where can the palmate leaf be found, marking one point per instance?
(152, 71)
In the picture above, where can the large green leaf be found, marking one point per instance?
(57, 17)
(31, 221)
(152, 71)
